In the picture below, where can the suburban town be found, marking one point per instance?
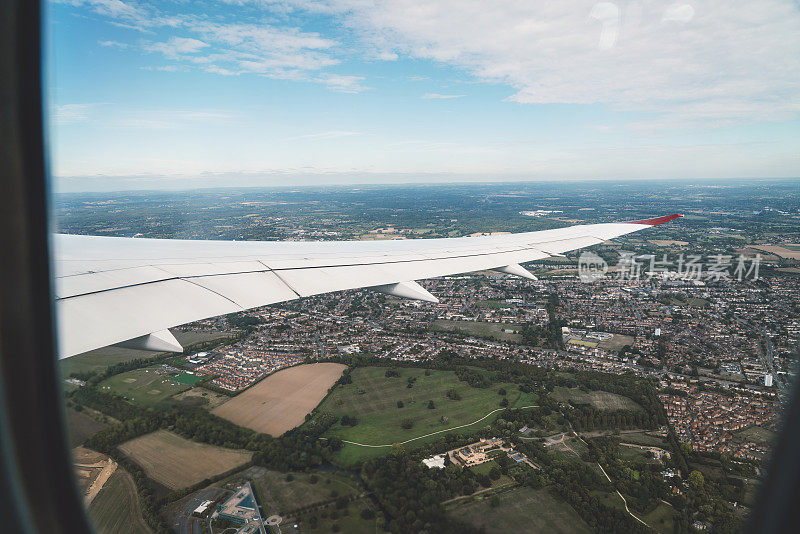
(715, 379)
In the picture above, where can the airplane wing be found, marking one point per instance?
(115, 290)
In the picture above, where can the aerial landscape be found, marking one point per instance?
(415, 266)
(640, 401)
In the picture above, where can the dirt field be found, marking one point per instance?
(281, 401)
(668, 242)
(177, 462)
(779, 251)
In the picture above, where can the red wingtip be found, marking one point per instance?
(658, 220)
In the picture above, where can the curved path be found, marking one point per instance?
(624, 502)
(440, 431)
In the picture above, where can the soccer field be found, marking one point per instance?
(373, 398)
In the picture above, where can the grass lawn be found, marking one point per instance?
(116, 507)
(145, 387)
(349, 522)
(372, 399)
(632, 454)
(661, 518)
(480, 329)
(602, 400)
(485, 467)
(98, 360)
(279, 496)
(641, 438)
(186, 378)
(520, 510)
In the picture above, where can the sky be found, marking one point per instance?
(195, 93)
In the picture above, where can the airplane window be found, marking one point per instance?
(423, 266)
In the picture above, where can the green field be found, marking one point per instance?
(279, 496)
(98, 360)
(479, 329)
(145, 387)
(602, 400)
(642, 438)
(520, 510)
(633, 454)
(186, 378)
(372, 398)
(662, 518)
(485, 467)
(116, 507)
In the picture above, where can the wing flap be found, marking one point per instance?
(110, 290)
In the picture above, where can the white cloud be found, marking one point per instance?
(227, 46)
(440, 96)
(177, 47)
(342, 83)
(710, 62)
(113, 44)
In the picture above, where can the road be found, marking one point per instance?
(438, 431)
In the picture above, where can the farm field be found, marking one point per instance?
(279, 496)
(783, 252)
(116, 507)
(281, 401)
(480, 329)
(145, 387)
(521, 510)
(602, 400)
(81, 427)
(373, 398)
(176, 462)
(98, 360)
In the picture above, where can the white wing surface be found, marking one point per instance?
(114, 290)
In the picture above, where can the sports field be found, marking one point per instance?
(373, 398)
(116, 507)
(176, 462)
(145, 387)
(520, 510)
(281, 401)
(602, 400)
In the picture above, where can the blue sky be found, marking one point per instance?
(237, 92)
